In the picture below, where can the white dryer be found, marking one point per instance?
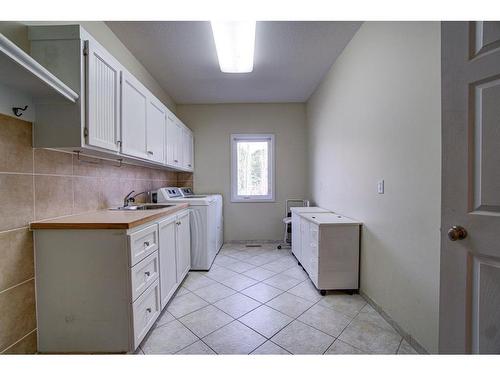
(205, 223)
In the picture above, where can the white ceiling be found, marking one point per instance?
(291, 58)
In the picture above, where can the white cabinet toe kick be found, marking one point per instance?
(101, 290)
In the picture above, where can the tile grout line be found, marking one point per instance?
(18, 284)
(14, 229)
(18, 341)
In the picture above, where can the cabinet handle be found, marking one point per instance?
(147, 273)
(189, 165)
(119, 143)
(178, 223)
(176, 161)
(150, 152)
(146, 243)
(148, 310)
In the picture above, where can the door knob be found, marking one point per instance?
(457, 232)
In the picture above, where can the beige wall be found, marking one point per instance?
(213, 125)
(377, 116)
(40, 184)
(18, 33)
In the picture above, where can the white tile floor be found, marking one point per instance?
(257, 300)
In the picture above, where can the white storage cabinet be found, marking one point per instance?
(296, 228)
(330, 250)
(101, 290)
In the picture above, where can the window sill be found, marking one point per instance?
(253, 200)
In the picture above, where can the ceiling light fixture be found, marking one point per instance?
(235, 43)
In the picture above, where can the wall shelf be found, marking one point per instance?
(20, 71)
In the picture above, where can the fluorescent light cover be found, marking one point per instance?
(235, 42)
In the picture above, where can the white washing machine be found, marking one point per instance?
(205, 222)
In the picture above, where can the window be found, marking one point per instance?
(252, 167)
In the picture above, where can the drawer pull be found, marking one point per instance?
(175, 160)
(150, 152)
(146, 243)
(178, 223)
(148, 310)
(147, 273)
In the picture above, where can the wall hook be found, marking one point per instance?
(18, 111)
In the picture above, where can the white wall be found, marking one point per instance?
(17, 32)
(377, 116)
(212, 126)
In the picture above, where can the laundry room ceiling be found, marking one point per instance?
(291, 58)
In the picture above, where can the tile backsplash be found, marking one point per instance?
(40, 184)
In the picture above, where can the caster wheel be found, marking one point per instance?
(322, 292)
(279, 246)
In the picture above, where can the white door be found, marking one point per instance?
(470, 239)
(103, 98)
(134, 116)
(183, 245)
(155, 130)
(167, 252)
(171, 141)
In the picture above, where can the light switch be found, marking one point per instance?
(380, 187)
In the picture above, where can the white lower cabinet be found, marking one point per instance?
(174, 245)
(101, 290)
(183, 247)
(327, 246)
(296, 228)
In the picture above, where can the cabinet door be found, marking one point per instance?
(171, 140)
(179, 144)
(187, 148)
(103, 98)
(183, 246)
(134, 116)
(155, 130)
(305, 244)
(167, 252)
(296, 237)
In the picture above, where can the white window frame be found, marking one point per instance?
(234, 169)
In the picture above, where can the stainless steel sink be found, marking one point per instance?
(141, 207)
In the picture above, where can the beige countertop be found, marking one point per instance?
(107, 219)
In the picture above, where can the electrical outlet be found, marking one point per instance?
(380, 187)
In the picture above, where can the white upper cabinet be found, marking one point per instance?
(134, 116)
(170, 140)
(187, 148)
(115, 115)
(156, 128)
(174, 141)
(103, 98)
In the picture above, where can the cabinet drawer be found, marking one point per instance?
(143, 243)
(143, 274)
(146, 310)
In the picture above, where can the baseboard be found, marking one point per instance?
(409, 338)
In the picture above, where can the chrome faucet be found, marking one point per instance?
(129, 198)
